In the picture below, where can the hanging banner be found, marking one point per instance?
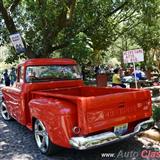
(133, 56)
(17, 42)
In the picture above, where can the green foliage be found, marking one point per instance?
(156, 112)
(88, 31)
(80, 48)
(147, 32)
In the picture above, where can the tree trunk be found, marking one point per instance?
(12, 28)
(7, 19)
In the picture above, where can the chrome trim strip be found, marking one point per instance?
(83, 143)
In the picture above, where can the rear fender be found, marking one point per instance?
(58, 116)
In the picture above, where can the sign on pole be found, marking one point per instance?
(133, 56)
(17, 42)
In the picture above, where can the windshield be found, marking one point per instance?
(52, 73)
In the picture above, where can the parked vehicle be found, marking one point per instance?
(50, 98)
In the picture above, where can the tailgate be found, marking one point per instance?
(103, 112)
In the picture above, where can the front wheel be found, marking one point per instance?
(42, 139)
(4, 112)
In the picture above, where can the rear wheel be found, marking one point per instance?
(4, 112)
(42, 139)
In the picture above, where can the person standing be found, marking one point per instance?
(12, 76)
(6, 78)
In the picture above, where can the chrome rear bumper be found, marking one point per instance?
(83, 143)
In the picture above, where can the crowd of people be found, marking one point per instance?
(8, 78)
(119, 76)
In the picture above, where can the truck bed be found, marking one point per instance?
(101, 109)
(87, 91)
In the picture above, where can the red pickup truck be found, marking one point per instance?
(50, 98)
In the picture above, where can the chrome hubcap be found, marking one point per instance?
(4, 112)
(41, 136)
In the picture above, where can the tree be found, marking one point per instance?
(50, 25)
(86, 28)
(40, 23)
(147, 33)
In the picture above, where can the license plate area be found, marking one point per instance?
(121, 129)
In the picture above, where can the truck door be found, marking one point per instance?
(17, 98)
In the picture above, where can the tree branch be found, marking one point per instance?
(122, 19)
(71, 6)
(118, 8)
(61, 46)
(119, 34)
(7, 18)
(13, 6)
